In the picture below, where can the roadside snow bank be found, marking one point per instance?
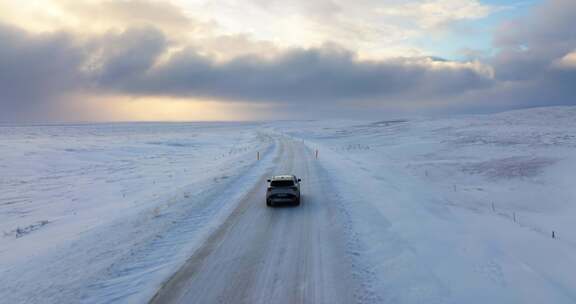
(102, 213)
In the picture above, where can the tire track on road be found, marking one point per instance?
(270, 255)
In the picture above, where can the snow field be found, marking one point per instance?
(456, 210)
(124, 204)
(435, 210)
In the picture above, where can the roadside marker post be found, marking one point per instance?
(316, 153)
(258, 155)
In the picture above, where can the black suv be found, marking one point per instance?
(283, 189)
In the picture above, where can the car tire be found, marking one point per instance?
(297, 203)
(268, 203)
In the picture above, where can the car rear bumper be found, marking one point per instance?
(279, 200)
(283, 200)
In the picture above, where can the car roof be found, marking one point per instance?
(283, 177)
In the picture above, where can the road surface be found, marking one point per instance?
(271, 255)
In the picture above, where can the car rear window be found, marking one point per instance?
(282, 183)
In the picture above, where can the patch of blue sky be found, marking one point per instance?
(472, 39)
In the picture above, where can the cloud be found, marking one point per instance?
(115, 57)
(121, 14)
(372, 28)
(532, 48)
(142, 58)
(40, 68)
(432, 14)
(36, 70)
(320, 75)
(182, 27)
(97, 15)
(567, 62)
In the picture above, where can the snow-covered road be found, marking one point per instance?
(272, 255)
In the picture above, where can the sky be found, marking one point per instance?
(182, 60)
